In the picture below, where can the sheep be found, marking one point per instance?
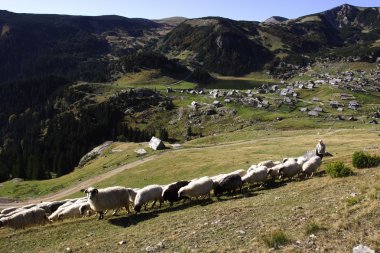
(274, 172)
(107, 198)
(146, 194)
(73, 210)
(268, 163)
(25, 218)
(240, 172)
(216, 179)
(53, 206)
(229, 184)
(197, 188)
(252, 167)
(170, 192)
(256, 175)
(311, 166)
(8, 210)
(290, 168)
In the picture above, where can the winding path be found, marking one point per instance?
(4, 203)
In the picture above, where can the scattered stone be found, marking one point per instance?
(362, 249)
(68, 249)
(312, 236)
(122, 242)
(297, 208)
(149, 249)
(140, 152)
(242, 232)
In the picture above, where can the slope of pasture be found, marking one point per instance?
(344, 211)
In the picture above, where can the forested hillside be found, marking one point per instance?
(58, 74)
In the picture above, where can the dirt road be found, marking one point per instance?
(4, 203)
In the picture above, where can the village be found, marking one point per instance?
(342, 104)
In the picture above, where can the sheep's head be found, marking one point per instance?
(91, 192)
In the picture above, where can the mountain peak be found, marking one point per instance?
(275, 20)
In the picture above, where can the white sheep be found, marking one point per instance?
(108, 198)
(290, 168)
(25, 218)
(256, 175)
(269, 163)
(147, 194)
(274, 172)
(71, 211)
(311, 166)
(197, 188)
(8, 210)
(252, 167)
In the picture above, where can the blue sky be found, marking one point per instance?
(154, 9)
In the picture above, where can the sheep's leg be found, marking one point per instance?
(160, 203)
(154, 202)
(171, 203)
(127, 209)
(101, 215)
(145, 206)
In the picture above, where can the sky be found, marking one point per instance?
(254, 10)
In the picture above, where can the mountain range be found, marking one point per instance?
(85, 48)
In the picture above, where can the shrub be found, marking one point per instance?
(276, 239)
(338, 169)
(313, 228)
(363, 160)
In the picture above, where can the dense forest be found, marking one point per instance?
(42, 139)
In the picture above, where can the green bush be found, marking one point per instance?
(363, 160)
(338, 169)
(276, 239)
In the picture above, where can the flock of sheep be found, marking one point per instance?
(117, 197)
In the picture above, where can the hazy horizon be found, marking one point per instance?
(149, 9)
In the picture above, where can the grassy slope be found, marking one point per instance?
(108, 161)
(211, 226)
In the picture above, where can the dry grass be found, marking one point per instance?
(234, 223)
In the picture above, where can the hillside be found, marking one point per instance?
(333, 214)
(63, 74)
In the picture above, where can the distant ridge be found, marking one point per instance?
(173, 21)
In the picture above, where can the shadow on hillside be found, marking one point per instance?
(135, 218)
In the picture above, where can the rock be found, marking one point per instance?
(68, 249)
(94, 153)
(362, 249)
(242, 232)
(160, 245)
(312, 236)
(122, 242)
(140, 152)
(156, 144)
(149, 249)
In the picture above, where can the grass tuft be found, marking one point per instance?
(338, 169)
(276, 239)
(313, 228)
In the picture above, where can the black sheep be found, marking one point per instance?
(228, 184)
(171, 192)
